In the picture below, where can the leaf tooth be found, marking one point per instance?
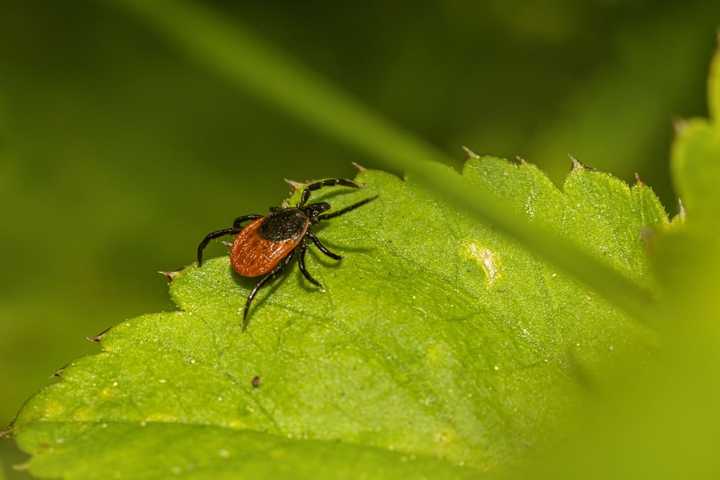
(7, 431)
(469, 154)
(576, 164)
(520, 160)
(682, 213)
(359, 167)
(294, 185)
(648, 236)
(98, 338)
(170, 276)
(679, 125)
(638, 181)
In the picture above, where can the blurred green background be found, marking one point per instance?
(117, 154)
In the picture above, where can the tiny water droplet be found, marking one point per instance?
(162, 380)
(223, 453)
(496, 367)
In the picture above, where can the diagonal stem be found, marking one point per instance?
(233, 52)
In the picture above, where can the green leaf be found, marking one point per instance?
(232, 51)
(631, 427)
(440, 348)
(696, 158)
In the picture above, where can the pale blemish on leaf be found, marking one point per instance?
(486, 258)
(54, 409)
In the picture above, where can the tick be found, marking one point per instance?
(266, 245)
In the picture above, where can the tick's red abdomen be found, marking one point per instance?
(253, 255)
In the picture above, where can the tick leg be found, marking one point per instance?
(322, 247)
(347, 209)
(324, 183)
(303, 269)
(275, 272)
(240, 220)
(211, 236)
(237, 226)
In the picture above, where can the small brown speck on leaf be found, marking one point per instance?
(256, 381)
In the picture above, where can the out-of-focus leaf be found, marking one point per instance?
(696, 160)
(660, 419)
(440, 348)
(613, 121)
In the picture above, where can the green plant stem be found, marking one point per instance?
(247, 62)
